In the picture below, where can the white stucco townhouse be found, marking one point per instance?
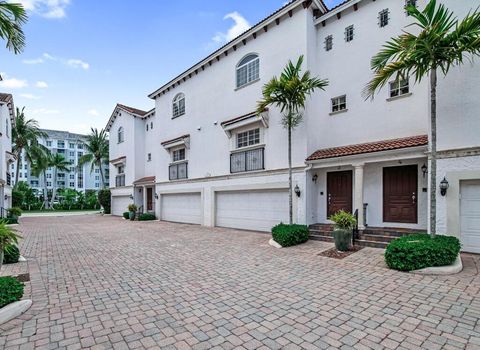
(203, 156)
(7, 115)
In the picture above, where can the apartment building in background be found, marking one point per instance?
(72, 147)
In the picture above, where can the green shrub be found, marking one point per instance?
(126, 215)
(104, 198)
(11, 253)
(11, 290)
(10, 221)
(146, 217)
(290, 235)
(418, 251)
(343, 220)
(15, 211)
(132, 208)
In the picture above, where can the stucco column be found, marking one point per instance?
(358, 195)
(144, 193)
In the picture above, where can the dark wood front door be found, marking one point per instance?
(149, 199)
(339, 192)
(400, 194)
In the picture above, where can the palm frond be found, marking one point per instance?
(12, 18)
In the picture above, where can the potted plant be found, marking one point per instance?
(132, 209)
(7, 237)
(343, 229)
(14, 213)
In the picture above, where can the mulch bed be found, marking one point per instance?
(333, 253)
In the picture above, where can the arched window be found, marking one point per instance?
(248, 70)
(178, 105)
(121, 136)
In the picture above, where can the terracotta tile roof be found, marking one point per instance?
(386, 145)
(5, 97)
(237, 119)
(175, 139)
(145, 179)
(132, 110)
(118, 159)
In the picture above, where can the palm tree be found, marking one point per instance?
(12, 17)
(290, 93)
(441, 43)
(97, 152)
(25, 136)
(58, 163)
(39, 167)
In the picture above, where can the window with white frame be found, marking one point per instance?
(147, 126)
(248, 138)
(328, 43)
(149, 157)
(383, 17)
(349, 33)
(178, 105)
(178, 155)
(399, 87)
(151, 125)
(248, 70)
(7, 130)
(121, 169)
(120, 135)
(339, 103)
(71, 145)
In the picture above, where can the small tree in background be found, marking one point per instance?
(290, 93)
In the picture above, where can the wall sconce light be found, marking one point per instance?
(444, 187)
(297, 191)
(6, 197)
(131, 196)
(315, 178)
(424, 169)
(156, 195)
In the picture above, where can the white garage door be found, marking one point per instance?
(470, 216)
(120, 204)
(251, 210)
(184, 207)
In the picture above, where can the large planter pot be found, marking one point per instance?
(343, 239)
(131, 215)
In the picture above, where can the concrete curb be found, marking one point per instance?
(456, 267)
(274, 244)
(14, 310)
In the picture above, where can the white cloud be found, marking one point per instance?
(70, 62)
(12, 83)
(45, 111)
(76, 63)
(239, 26)
(41, 85)
(93, 112)
(30, 96)
(46, 8)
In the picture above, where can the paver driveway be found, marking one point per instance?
(113, 283)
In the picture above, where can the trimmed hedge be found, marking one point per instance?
(419, 251)
(290, 235)
(11, 290)
(146, 217)
(126, 215)
(11, 253)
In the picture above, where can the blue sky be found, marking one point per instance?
(84, 56)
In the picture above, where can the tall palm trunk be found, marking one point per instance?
(433, 152)
(1, 257)
(54, 191)
(45, 190)
(101, 174)
(17, 171)
(290, 190)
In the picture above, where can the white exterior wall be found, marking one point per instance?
(211, 97)
(5, 145)
(347, 67)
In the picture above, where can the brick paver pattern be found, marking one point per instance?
(117, 284)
